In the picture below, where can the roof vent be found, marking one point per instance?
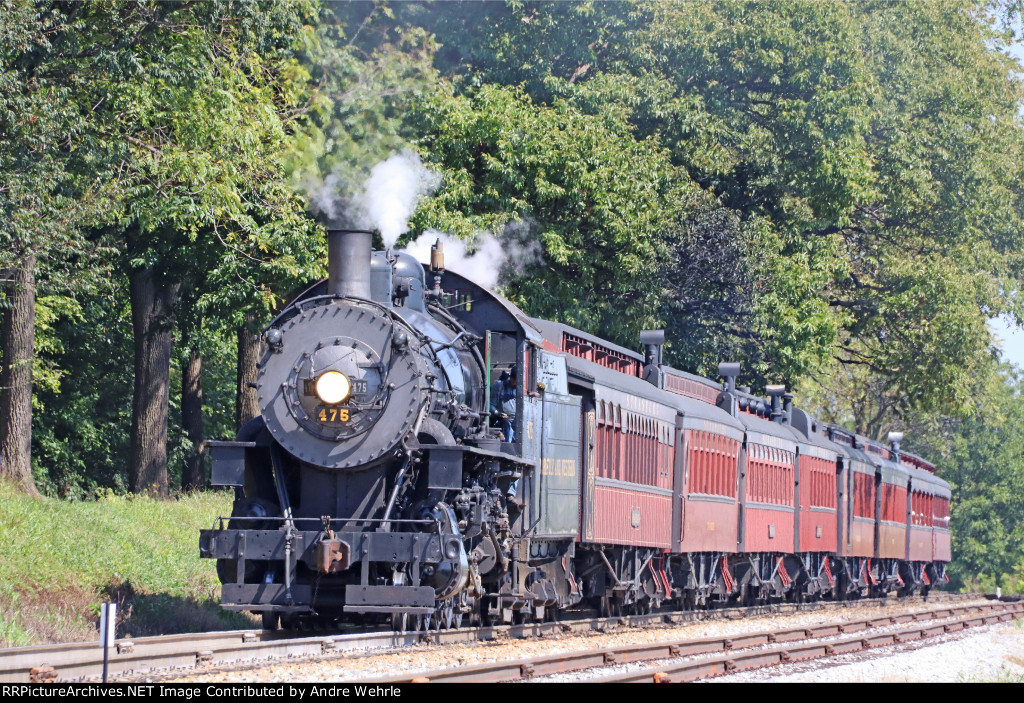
(775, 393)
(894, 443)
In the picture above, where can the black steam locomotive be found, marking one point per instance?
(428, 454)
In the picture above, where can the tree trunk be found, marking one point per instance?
(153, 302)
(18, 340)
(246, 405)
(192, 419)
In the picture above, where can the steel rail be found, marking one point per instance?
(774, 656)
(138, 656)
(545, 665)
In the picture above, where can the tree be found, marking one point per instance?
(43, 200)
(594, 197)
(184, 107)
(866, 158)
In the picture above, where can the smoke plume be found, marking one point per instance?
(492, 257)
(388, 198)
(392, 192)
(384, 201)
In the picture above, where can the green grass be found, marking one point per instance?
(59, 561)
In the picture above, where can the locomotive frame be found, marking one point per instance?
(629, 485)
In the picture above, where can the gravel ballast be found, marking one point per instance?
(991, 653)
(408, 661)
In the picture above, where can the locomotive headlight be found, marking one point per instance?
(333, 387)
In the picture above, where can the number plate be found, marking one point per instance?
(333, 416)
(359, 387)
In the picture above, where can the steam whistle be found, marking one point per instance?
(437, 265)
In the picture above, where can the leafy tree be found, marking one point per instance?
(866, 157)
(44, 198)
(360, 99)
(596, 197)
(982, 457)
(183, 108)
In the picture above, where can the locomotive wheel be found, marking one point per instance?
(271, 620)
(399, 622)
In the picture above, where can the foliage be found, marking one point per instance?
(866, 158)
(359, 100)
(40, 194)
(595, 198)
(182, 111)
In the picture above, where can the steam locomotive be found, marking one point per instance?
(387, 480)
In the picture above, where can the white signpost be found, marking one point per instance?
(108, 624)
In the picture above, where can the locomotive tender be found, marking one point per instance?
(377, 482)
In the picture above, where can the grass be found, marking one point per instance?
(59, 561)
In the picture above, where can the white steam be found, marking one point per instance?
(388, 198)
(327, 198)
(491, 257)
(392, 192)
(384, 201)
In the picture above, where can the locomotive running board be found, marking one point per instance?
(466, 449)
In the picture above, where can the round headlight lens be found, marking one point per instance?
(333, 387)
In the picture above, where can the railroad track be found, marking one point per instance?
(691, 659)
(157, 655)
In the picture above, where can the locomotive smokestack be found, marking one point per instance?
(348, 263)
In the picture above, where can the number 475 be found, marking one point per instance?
(333, 414)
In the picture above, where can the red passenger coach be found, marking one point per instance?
(942, 546)
(920, 509)
(817, 499)
(628, 500)
(928, 542)
(768, 499)
(892, 506)
(708, 468)
(858, 478)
